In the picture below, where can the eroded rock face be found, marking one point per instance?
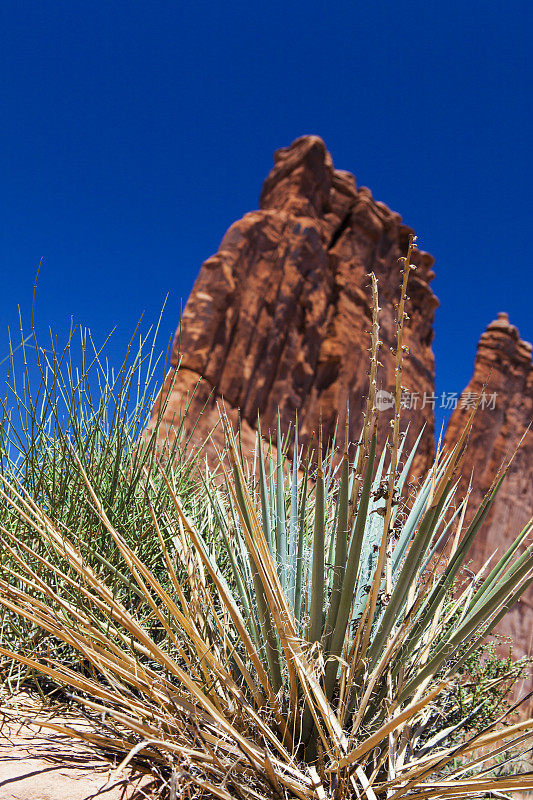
(279, 317)
(503, 361)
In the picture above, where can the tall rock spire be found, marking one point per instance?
(503, 376)
(503, 373)
(279, 317)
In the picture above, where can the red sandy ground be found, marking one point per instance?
(39, 764)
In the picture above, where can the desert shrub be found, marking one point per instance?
(278, 629)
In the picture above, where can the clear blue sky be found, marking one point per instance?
(134, 133)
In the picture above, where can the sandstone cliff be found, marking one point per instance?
(278, 318)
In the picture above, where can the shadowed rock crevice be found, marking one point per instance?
(339, 230)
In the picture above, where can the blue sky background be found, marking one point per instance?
(133, 134)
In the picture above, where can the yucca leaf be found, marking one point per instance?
(302, 533)
(329, 544)
(341, 545)
(329, 472)
(350, 576)
(272, 496)
(404, 474)
(293, 524)
(317, 570)
(263, 491)
(281, 527)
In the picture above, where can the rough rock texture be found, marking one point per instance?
(504, 361)
(279, 316)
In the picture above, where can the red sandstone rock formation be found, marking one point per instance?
(503, 360)
(278, 318)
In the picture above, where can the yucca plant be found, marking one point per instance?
(298, 630)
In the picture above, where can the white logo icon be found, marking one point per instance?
(384, 400)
